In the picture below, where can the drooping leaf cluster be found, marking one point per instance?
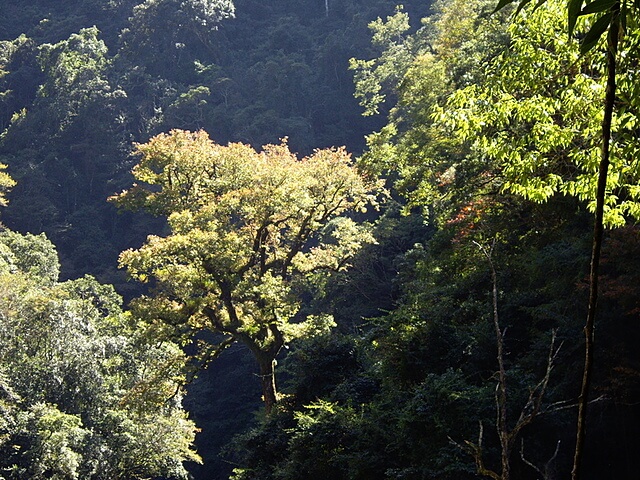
(545, 136)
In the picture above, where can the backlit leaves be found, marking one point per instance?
(607, 12)
(246, 227)
(538, 118)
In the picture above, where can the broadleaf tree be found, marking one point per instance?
(82, 393)
(249, 231)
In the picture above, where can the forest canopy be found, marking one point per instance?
(421, 219)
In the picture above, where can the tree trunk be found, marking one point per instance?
(501, 394)
(268, 381)
(598, 230)
(502, 427)
(266, 358)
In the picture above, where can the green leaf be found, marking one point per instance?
(523, 4)
(595, 32)
(502, 4)
(624, 13)
(539, 4)
(598, 6)
(573, 8)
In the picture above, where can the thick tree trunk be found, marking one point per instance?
(266, 358)
(598, 230)
(268, 380)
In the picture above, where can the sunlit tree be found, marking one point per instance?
(248, 230)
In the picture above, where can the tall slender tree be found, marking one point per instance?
(611, 17)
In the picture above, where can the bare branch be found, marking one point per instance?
(565, 405)
(546, 473)
(475, 450)
(532, 408)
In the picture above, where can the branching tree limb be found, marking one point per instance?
(532, 407)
